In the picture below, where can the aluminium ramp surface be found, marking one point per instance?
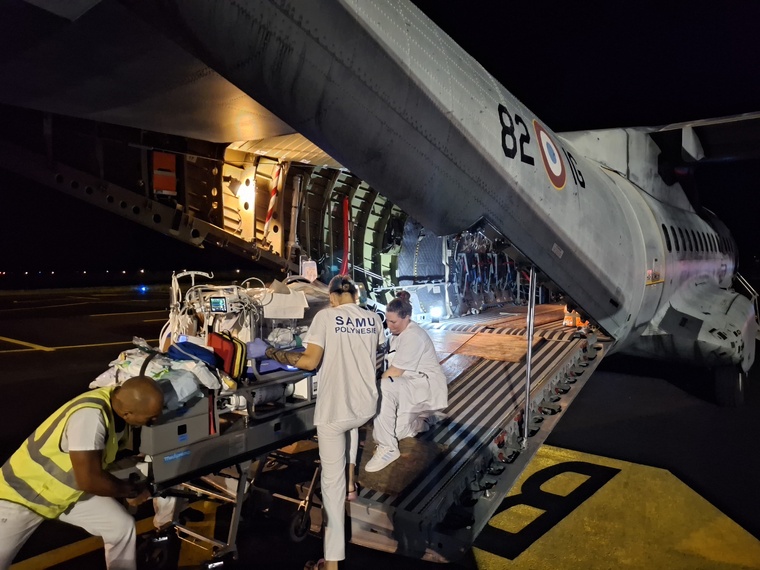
(407, 513)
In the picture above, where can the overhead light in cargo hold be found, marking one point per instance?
(246, 192)
(245, 182)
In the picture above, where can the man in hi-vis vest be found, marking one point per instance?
(60, 471)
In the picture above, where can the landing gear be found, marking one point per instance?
(730, 384)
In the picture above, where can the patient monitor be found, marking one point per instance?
(218, 304)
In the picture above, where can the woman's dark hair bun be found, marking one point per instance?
(401, 305)
(342, 284)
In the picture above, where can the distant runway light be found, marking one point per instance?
(123, 272)
(142, 289)
(142, 271)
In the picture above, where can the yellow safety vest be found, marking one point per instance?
(39, 475)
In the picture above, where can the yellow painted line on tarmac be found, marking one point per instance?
(129, 313)
(192, 555)
(99, 344)
(34, 347)
(39, 308)
(578, 511)
(29, 345)
(74, 550)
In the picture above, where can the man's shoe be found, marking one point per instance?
(383, 457)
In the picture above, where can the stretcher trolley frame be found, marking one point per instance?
(301, 519)
(185, 471)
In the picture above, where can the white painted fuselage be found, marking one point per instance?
(381, 89)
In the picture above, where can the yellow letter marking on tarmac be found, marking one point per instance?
(571, 510)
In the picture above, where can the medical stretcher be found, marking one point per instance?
(222, 427)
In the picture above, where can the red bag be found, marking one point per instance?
(231, 351)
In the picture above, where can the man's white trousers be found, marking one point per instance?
(100, 516)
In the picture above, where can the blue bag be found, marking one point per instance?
(191, 351)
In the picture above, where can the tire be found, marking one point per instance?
(299, 526)
(730, 385)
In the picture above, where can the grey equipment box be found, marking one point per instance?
(186, 426)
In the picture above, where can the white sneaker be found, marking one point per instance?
(383, 457)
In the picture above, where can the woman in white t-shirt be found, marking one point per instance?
(413, 386)
(344, 338)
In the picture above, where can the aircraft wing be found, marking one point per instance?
(100, 61)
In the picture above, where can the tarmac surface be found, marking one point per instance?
(653, 421)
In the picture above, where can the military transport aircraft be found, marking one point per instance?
(420, 126)
(267, 127)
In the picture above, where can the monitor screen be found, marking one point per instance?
(218, 304)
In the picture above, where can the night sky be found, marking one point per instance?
(598, 64)
(577, 65)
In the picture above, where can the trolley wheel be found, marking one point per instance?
(158, 551)
(299, 526)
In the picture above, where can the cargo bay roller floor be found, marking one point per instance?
(433, 501)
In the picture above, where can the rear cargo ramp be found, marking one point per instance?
(434, 500)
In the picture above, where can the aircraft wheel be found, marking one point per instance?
(299, 526)
(729, 386)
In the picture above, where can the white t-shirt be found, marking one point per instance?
(349, 336)
(85, 431)
(414, 352)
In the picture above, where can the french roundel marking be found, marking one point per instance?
(550, 154)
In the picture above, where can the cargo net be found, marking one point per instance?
(421, 257)
(457, 275)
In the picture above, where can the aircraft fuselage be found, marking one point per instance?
(390, 96)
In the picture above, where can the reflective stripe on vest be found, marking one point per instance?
(40, 475)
